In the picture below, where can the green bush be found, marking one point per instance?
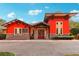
(75, 31)
(63, 37)
(6, 54)
(2, 36)
(71, 54)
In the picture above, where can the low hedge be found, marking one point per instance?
(7, 54)
(71, 54)
(63, 37)
(2, 36)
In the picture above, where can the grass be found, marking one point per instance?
(6, 54)
(71, 54)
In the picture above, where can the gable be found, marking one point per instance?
(16, 21)
(41, 24)
(57, 15)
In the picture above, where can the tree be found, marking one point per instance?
(2, 21)
(75, 31)
(73, 24)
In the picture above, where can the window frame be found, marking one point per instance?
(27, 30)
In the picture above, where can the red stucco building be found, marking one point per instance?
(54, 24)
(58, 22)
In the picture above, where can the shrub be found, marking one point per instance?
(75, 31)
(6, 54)
(63, 37)
(2, 36)
(71, 54)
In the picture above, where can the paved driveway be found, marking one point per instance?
(40, 47)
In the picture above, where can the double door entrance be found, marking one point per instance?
(41, 34)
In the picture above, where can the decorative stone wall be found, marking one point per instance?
(24, 36)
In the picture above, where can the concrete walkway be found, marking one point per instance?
(40, 47)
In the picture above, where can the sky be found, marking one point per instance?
(35, 12)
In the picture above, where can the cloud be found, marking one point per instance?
(0, 17)
(34, 21)
(21, 19)
(74, 11)
(34, 12)
(11, 15)
(46, 7)
(76, 17)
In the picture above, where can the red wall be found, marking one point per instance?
(52, 23)
(12, 26)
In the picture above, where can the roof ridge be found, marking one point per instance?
(13, 21)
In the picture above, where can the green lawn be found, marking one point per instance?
(71, 54)
(7, 54)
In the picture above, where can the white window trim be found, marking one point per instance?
(21, 30)
(60, 27)
(27, 30)
(16, 28)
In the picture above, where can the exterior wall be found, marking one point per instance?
(48, 31)
(10, 31)
(52, 24)
(35, 34)
(11, 27)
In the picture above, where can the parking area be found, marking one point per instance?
(40, 47)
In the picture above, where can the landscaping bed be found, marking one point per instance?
(63, 37)
(72, 55)
(2, 36)
(6, 54)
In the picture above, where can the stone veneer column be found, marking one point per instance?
(46, 34)
(36, 34)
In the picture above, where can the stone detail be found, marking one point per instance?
(24, 36)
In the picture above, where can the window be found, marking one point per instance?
(57, 23)
(15, 31)
(61, 23)
(59, 26)
(56, 30)
(24, 30)
(61, 30)
(20, 30)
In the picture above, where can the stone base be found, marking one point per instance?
(18, 36)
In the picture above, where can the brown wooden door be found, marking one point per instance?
(41, 34)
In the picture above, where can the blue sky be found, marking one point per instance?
(31, 13)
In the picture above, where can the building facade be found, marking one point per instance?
(40, 31)
(17, 29)
(53, 24)
(59, 23)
